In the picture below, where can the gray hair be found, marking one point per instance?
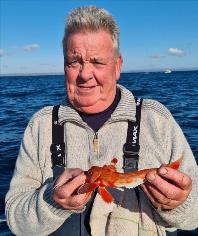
(91, 18)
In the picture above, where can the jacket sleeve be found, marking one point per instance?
(29, 207)
(184, 216)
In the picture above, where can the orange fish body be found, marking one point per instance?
(107, 176)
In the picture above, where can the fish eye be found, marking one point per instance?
(90, 172)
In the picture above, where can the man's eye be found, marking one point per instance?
(98, 64)
(90, 172)
(73, 64)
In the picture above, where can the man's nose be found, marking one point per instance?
(86, 71)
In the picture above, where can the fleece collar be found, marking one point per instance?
(127, 103)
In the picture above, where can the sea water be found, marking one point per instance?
(21, 96)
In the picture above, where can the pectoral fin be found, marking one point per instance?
(106, 196)
(175, 165)
(87, 187)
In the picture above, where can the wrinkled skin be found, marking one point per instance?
(65, 189)
(167, 188)
(92, 68)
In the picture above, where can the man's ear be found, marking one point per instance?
(65, 76)
(119, 62)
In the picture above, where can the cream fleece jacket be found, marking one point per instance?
(29, 207)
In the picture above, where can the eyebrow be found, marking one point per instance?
(79, 57)
(73, 56)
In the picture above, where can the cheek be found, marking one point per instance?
(70, 77)
(70, 84)
(105, 77)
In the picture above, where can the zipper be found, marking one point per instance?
(96, 143)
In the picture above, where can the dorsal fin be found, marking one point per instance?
(114, 161)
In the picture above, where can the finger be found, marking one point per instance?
(166, 188)
(67, 189)
(154, 201)
(161, 198)
(150, 197)
(80, 201)
(75, 202)
(67, 175)
(182, 180)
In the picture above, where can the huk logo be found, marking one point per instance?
(135, 128)
(138, 101)
(58, 148)
(59, 155)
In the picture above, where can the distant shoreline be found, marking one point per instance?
(123, 72)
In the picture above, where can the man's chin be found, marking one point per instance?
(88, 107)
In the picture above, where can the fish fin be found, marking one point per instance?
(175, 165)
(106, 196)
(87, 187)
(114, 161)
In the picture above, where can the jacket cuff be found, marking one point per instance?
(177, 217)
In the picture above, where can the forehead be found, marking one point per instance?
(99, 43)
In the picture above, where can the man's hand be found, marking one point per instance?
(167, 188)
(65, 189)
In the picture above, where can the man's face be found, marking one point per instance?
(91, 70)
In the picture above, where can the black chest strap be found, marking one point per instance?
(57, 147)
(132, 147)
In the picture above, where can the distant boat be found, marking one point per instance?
(167, 71)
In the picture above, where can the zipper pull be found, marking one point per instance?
(96, 143)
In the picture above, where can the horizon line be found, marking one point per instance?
(125, 71)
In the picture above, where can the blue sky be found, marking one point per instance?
(153, 34)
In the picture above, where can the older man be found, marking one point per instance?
(94, 122)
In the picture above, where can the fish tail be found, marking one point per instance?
(175, 165)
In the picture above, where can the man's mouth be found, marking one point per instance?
(86, 87)
(86, 90)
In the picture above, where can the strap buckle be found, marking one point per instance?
(131, 157)
(131, 151)
(130, 164)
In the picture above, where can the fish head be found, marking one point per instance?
(93, 174)
(92, 180)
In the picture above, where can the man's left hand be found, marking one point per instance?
(167, 188)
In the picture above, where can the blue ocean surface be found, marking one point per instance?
(22, 96)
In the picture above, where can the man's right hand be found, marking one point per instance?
(65, 189)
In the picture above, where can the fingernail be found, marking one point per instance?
(151, 177)
(163, 170)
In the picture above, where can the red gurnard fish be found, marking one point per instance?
(107, 176)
